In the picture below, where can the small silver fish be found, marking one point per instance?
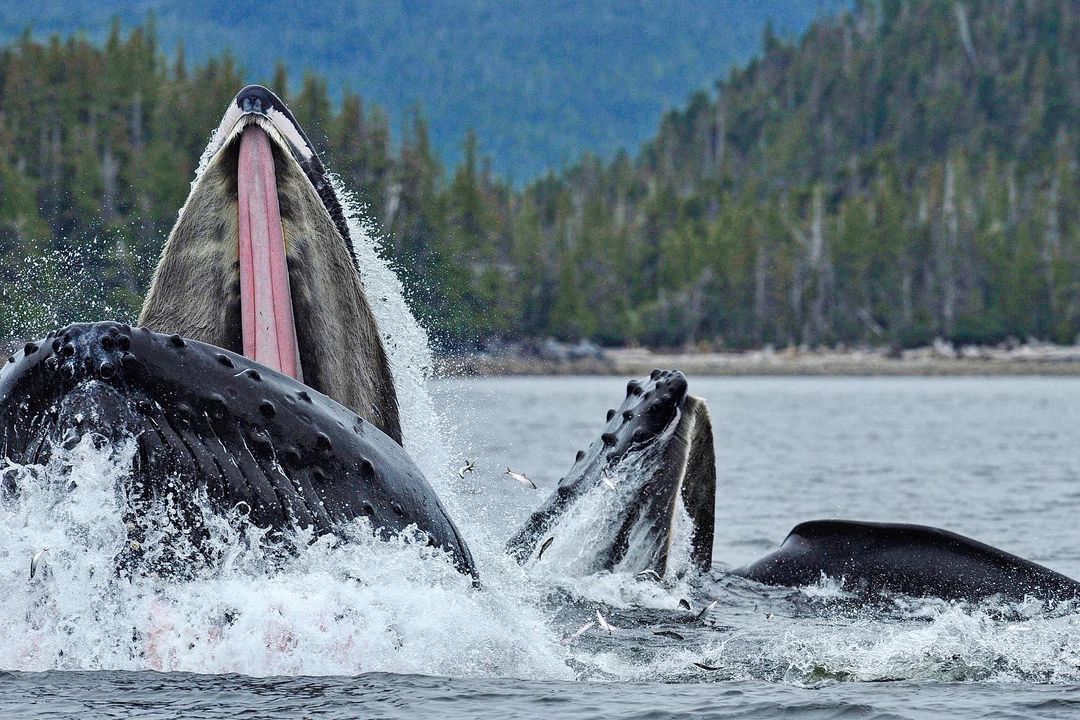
(577, 633)
(703, 666)
(649, 575)
(604, 624)
(545, 546)
(468, 467)
(669, 634)
(35, 561)
(520, 477)
(706, 609)
(609, 480)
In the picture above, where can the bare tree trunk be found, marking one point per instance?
(136, 123)
(965, 31)
(719, 132)
(1014, 196)
(906, 309)
(110, 167)
(948, 252)
(1052, 244)
(815, 266)
(798, 270)
(819, 264)
(761, 266)
(393, 200)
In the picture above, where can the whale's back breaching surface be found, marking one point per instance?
(873, 558)
(649, 479)
(196, 290)
(212, 426)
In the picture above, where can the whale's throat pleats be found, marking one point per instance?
(196, 286)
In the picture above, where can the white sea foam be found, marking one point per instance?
(333, 607)
(956, 644)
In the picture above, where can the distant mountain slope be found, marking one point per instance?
(539, 81)
(903, 172)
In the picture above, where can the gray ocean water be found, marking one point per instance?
(993, 458)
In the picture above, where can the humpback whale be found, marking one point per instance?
(257, 377)
(208, 422)
(659, 444)
(873, 558)
(660, 439)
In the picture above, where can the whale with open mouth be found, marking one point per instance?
(260, 262)
(257, 378)
(651, 477)
(650, 474)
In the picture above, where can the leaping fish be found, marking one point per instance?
(35, 561)
(604, 624)
(706, 609)
(609, 480)
(545, 546)
(520, 477)
(577, 633)
(466, 468)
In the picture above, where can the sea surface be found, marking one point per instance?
(389, 632)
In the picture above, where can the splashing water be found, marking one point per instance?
(411, 361)
(53, 288)
(583, 536)
(356, 603)
(328, 608)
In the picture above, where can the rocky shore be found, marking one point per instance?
(550, 357)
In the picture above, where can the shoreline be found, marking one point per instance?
(939, 360)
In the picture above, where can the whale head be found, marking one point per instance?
(261, 262)
(650, 476)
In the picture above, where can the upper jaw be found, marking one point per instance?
(257, 104)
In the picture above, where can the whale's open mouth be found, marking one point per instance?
(257, 380)
(666, 435)
(260, 262)
(255, 123)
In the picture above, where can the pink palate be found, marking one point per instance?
(269, 329)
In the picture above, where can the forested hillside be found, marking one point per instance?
(906, 171)
(539, 82)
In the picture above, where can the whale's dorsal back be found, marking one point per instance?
(916, 560)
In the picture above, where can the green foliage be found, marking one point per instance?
(539, 82)
(906, 171)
